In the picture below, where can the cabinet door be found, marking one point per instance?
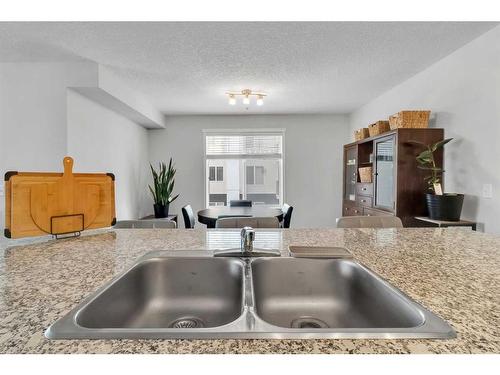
(350, 173)
(352, 211)
(373, 212)
(385, 166)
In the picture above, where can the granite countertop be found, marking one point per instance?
(453, 272)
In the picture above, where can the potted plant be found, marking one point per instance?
(447, 206)
(163, 186)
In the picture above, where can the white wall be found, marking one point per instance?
(41, 121)
(33, 115)
(463, 92)
(101, 140)
(313, 160)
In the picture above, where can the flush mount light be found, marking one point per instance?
(260, 100)
(246, 94)
(246, 100)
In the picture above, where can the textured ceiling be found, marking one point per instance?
(185, 68)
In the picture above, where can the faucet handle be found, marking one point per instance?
(248, 231)
(247, 237)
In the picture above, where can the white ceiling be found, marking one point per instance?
(185, 68)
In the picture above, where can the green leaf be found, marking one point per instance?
(430, 168)
(425, 154)
(173, 199)
(153, 194)
(440, 144)
(424, 161)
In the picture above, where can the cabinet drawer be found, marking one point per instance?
(373, 212)
(364, 201)
(352, 211)
(364, 189)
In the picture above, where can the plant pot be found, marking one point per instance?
(446, 207)
(160, 210)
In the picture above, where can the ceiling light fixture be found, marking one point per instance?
(246, 94)
(260, 100)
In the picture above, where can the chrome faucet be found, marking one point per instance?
(247, 238)
(246, 249)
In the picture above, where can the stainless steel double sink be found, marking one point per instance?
(164, 296)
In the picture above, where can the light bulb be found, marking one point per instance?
(232, 100)
(246, 100)
(260, 100)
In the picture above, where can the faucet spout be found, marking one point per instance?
(247, 238)
(247, 249)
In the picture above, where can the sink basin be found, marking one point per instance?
(319, 293)
(160, 294)
(167, 296)
(170, 293)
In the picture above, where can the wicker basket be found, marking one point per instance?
(361, 134)
(410, 119)
(365, 174)
(378, 128)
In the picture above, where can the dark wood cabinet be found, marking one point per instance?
(350, 172)
(353, 210)
(384, 173)
(375, 212)
(397, 186)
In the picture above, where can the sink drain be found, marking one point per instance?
(187, 322)
(308, 322)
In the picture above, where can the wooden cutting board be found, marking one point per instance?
(57, 203)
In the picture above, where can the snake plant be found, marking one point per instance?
(163, 184)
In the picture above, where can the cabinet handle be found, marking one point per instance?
(363, 189)
(363, 200)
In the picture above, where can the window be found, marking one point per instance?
(211, 204)
(259, 175)
(216, 173)
(250, 175)
(255, 175)
(244, 165)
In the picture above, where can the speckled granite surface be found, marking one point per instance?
(453, 272)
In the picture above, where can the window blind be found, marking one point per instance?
(244, 146)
